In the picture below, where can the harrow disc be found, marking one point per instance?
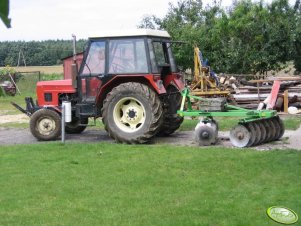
(257, 134)
(281, 125)
(240, 136)
(262, 131)
(206, 133)
(273, 130)
(268, 129)
(252, 130)
(214, 124)
(277, 127)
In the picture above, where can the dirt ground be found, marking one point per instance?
(20, 118)
(10, 136)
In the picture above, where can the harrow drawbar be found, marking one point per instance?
(254, 127)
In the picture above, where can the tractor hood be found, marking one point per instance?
(48, 91)
(57, 84)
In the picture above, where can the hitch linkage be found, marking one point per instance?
(31, 107)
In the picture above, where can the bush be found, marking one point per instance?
(297, 63)
(47, 77)
(2, 92)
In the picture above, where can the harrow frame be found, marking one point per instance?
(248, 132)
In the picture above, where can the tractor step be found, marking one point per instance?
(86, 110)
(85, 114)
(88, 124)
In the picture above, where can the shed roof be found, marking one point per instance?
(71, 56)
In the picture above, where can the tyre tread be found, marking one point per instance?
(156, 107)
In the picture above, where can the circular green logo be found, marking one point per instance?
(282, 215)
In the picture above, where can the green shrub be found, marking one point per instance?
(47, 77)
(2, 92)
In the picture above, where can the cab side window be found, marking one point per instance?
(127, 56)
(95, 62)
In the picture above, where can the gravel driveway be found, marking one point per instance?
(291, 139)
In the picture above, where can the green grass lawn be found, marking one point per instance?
(111, 184)
(7, 108)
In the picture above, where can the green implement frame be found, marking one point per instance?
(254, 126)
(227, 110)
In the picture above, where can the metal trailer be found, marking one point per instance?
(255, 126)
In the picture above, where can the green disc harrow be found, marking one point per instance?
(254, 126)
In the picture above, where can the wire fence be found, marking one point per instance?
(24, 83)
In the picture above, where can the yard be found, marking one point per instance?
(112, 184)
(102, 183)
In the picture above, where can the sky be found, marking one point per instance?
(59, 19)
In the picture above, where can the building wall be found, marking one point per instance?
(67, 64)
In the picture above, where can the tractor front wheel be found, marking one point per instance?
(132, 113)
(45, 124)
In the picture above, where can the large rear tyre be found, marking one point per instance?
(45, 124)
(172, 121)
(132, 113)
(76, 125)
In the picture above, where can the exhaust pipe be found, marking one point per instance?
(74, 68)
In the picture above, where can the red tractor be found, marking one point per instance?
(130, 80)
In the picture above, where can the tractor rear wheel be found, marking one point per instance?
(76, 125)
(132, 113)
(172, 121)
(45, 124)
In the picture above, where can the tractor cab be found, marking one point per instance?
(144, 56)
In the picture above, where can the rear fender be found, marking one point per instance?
(174, 79)
(149, 80)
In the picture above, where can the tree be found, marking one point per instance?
(4, 11)
(297, 37)
(182, 22)
(250, 37)
(37, 52)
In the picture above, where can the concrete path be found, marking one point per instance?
(290, 140)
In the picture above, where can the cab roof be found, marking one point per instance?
(132, 33)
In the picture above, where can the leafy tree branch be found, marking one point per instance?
(4, 11)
